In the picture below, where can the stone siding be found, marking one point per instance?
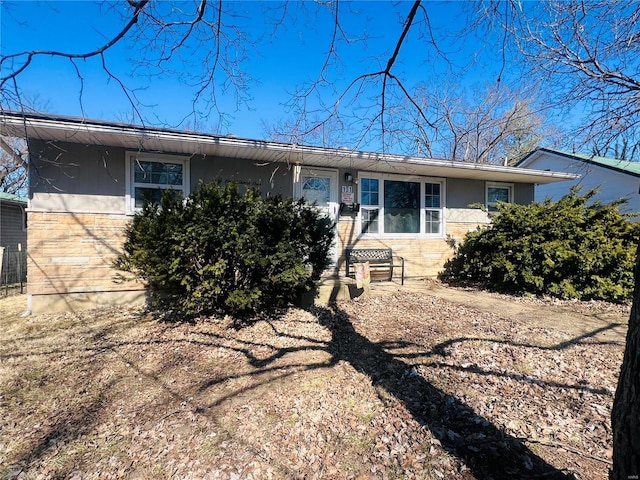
(424, 257)
(70, 258)
(72, 254)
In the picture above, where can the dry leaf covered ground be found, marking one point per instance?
(406, 385)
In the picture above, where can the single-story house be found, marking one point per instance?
(614, 178)
(13, 237)
(88, 177)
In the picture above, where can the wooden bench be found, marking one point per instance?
(380, 260)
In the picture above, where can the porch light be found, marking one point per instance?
(348, 177)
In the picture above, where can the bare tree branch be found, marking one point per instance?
(137, 6)
(586, 52)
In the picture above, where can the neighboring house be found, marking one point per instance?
(87, 178)
(614, 179)
(13, 237)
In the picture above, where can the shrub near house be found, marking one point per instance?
(227, 252)
(573, 248)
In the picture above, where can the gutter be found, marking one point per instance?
(29, 123)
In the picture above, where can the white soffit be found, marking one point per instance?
(93, 132)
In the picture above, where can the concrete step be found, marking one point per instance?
(332, 289)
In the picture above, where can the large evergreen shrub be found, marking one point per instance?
(573, 248)
(226, 252)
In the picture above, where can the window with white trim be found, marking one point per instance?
(369, 204)
(498, 192)
(393, 205)
(148, 176)
(433, 209)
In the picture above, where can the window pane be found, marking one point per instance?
(369, 191)
(495, 194)
(432, 223)
(370, 220)
(157, 173)
(174, 174)
(317, 190)
(432, 195)
(401, 207)
(140, 174)
(153, 195)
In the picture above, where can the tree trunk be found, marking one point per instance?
(625, 416)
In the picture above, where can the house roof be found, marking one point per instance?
(623, 166)
(142, 138)
(11, 198)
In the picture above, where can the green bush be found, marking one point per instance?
(221, 251)
(573, 248)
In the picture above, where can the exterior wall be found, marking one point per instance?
(270, 178)
(76, 227)
(524, 194)
(68, 177)
(78, 215)
(70, 169)
(69, 261)
(612, 184)
(77, 218)
(463, 192)
(424, 257)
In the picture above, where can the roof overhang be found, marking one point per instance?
(151, 139)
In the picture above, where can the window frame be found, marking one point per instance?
(130, 184)
(490, 206)
(380, 207)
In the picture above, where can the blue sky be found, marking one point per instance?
(277, 64)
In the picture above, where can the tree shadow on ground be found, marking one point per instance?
(441, 348)
(489, 452)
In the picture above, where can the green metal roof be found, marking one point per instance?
(624, 166)
(614, 163)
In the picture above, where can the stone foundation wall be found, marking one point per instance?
(70, 256)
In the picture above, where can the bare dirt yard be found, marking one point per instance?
(423, 381)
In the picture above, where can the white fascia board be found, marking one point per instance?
(154, 139)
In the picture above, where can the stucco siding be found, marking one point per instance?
(523, 194)
(270, 178)
(463, 192)
(69, 168)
